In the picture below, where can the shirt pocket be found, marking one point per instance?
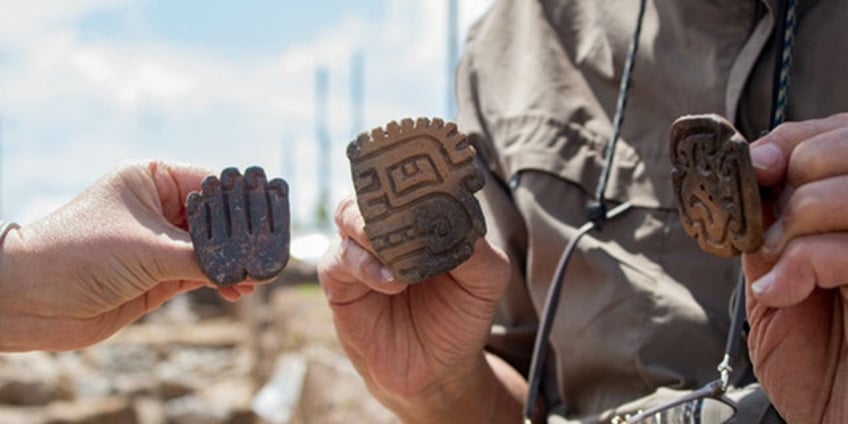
(574, 152)
(623, 305)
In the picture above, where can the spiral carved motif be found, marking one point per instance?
(715, 186)
(415, 184)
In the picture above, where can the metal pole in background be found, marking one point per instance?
(288, 172)
(453, 56)
(322, 137)
(289, 152)
(357, 93)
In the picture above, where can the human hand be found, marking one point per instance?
(798, 281)
(418, 347)
(114, 253)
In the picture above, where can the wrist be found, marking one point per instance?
(475, 395)
(12, 310)
(9, 256)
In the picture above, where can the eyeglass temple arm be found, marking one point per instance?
(734, 336)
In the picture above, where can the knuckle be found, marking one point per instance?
(356, 261)
(342, 209)
(815, 158)
(371, 268)
(784, 133)
(841, 133)
(841, 117)
(353, 257)
(802, 204)
(795, 259)
(346, 253)
(835, 144)
(796, 269)
(331, 261)
(806, 203)
(785, 128)
(803, 163)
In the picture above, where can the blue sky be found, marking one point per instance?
(86, 84)
(227, 27)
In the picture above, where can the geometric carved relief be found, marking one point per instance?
(415, 184)
(239, 226)
(715, 186)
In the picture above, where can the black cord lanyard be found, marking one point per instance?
(551, 302)
(784, 40)
(598, 215)
(598, 211)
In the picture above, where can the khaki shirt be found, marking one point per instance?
(642, 307)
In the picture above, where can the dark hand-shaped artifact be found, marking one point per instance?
(240, 226)
(715, 185)
(415, 184)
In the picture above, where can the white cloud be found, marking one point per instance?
(72, 107)
(22, 21)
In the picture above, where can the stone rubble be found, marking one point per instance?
(196, 360)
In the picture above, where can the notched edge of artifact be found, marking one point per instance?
(727, 137)
(456, 151)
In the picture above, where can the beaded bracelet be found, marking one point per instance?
(5, 227)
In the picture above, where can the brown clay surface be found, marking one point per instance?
(714, 184)
(239, 226)
(415, 184)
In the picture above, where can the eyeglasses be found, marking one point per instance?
(705, 405)
(709, 403)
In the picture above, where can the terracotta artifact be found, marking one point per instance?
(239, 226)
(415, 184)
(714, 184)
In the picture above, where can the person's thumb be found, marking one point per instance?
(175, 257)
(486, 273)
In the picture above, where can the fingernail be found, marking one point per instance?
(771, 241)
(386, 275)
(764, 284)
(765, 156)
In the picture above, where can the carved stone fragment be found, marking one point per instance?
(239, 226)
(715, 186)
(415, 184)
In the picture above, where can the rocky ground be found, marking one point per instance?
(270, 359)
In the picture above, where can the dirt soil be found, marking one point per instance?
(199, 360)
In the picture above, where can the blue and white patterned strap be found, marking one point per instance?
(779, 112)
